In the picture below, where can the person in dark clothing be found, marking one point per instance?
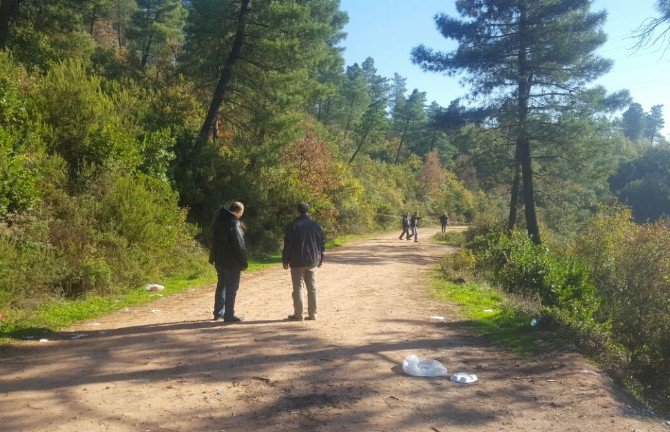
(405, 226)
(304, 247)
(229, 256)
(443, 222)
(414, 225)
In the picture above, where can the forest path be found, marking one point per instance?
(167, 367)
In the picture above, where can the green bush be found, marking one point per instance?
(519, 266)
(631, 264)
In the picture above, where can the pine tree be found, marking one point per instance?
(633, 122)
(263, 55)
(408, 118)
(530, 56)
(156, 29)
(654, 123)
(374, 122)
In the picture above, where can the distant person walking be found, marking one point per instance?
(414, 226)
(405, 226)
(444, 219)
(229, 256)
(304, 247)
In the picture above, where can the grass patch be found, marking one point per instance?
(489, 313)
(56, 314)
(450, 238)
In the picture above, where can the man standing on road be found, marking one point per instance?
(229, 256)
(414, 225)
(443, 222)
(405, 226)
(304, 247)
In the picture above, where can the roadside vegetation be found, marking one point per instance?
(606, 291)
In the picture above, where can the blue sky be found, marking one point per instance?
(387, 30)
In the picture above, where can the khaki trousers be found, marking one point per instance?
(306, 275)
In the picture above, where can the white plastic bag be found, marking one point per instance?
(413, 365)
(154, 287)
(464, 378)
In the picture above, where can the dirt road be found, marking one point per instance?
(167, 367)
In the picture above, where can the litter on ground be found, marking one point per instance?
(533, 322)
(44, 340)
(154, 287)
(487, 310)
(79, 336)
(463, 378)
(437, 318)
(414, 366)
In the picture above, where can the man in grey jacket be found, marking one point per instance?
(304, 247)
(229, 256)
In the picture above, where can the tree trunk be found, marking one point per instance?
(226, 74)
(360, 144)
(523, 141)
(514, 199)
(147, 46)
(402, 140)
(528, 192)
(7, 10)
(146, 50)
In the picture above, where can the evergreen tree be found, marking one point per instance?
(654, 123)
(156, 29)
(263, 55)
(40, 31)
(409, 118)
(398, 94)
(354, 97)
(633, 122)
(531, 56)
(374, 122)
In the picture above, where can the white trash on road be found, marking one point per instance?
(463, 378)
(437, 318)
(414, 366)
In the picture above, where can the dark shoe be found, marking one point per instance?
(233, 319)
(311, 318)
(294, 318)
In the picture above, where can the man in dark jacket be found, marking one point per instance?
(405, 226)
(229, 256)
(444, 219)
(304, 247)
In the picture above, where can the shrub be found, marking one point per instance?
(631, 264)
(521, 267)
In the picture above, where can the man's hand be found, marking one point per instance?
(285, 266)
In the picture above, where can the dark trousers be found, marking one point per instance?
(405, 231)
(226, 291)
